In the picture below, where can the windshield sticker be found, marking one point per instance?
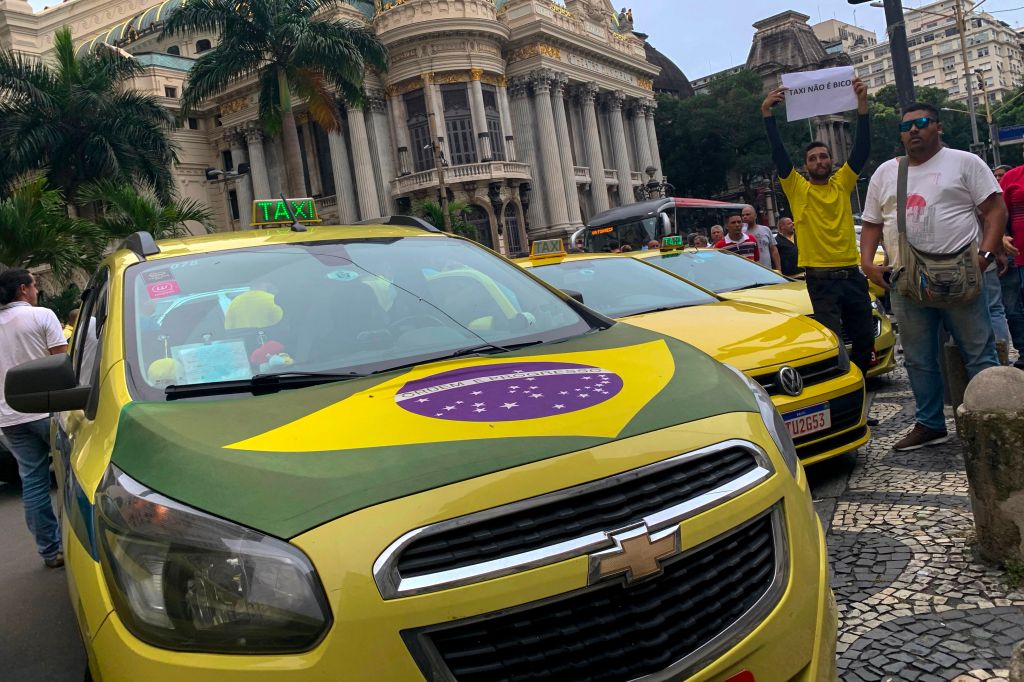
(163, 289)
(161, 275)
(343, 275)
(203, 363)
(504, 392)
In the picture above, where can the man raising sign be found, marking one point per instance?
(825, 238)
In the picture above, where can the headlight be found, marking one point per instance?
(773, 421)
(181, 579)
(844, 358)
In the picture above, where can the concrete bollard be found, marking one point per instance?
(1017, 663)
(991, 426)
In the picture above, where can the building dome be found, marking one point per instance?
(671, 81)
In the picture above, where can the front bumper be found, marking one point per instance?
(795, 638)
(846, 398)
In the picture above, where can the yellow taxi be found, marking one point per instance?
(736, 278)
(800, 363)
(385, 453)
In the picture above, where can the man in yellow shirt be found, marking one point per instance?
(825, 238)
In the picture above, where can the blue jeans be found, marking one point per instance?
(996, 311)
(30, 444)
(1012, 281)
(971, 328)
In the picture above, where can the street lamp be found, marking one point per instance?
(216, 175)
(653, 189)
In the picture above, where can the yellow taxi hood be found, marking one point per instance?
(791, 297)
(747, 336)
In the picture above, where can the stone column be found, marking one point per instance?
(620, 153)
(592, 144)
(506, 121)
(524, 125)
(476, 111)
(362, 160)
(572, 197)
(400, 133)
(257, 163)
(643, 145)
(343, 190)
(547, 142)
(309, 152)
(383, 151)
(652, 137)
(243, 183)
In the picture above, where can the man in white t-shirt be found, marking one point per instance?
(946, 189)
(762, 234)
(27, 333)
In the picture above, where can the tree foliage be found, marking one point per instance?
(708, 141)
(123, 209)
(36, 231)
(75, 120)
(457, 210)
(288, 46)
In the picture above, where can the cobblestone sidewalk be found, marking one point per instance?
(914, 603)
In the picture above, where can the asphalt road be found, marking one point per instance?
(38, 634)
(39, 639)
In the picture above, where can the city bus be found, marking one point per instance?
(639, 223)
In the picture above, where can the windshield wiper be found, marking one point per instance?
(754, 286)
(259, 384)
(662, 309)
(472, 350)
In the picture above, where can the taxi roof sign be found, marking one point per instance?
(547, 248)
(267, 212)
(672, 243)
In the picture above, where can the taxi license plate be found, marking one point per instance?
(808, 420)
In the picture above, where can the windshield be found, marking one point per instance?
(636, 233)
(346, 306)
(619, 287)
(717, 271)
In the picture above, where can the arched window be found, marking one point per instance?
(512, 237)
(202, 45)
(478, 218)
(173, 49)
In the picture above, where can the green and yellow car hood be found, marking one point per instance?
(288, 462)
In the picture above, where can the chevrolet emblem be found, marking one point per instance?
(636, 555)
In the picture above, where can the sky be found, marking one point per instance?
(706, 36)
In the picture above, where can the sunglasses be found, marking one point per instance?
(921, 124)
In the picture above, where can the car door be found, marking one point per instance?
(85, 351)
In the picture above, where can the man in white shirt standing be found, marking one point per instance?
(946, 188)
(27, 333)
(762, 234)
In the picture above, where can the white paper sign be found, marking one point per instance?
(817, 93)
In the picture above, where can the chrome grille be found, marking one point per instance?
(567, 523)
(704, 601)
(813, 373)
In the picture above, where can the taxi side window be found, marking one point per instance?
(85, 347)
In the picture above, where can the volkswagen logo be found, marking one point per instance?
(790, 381)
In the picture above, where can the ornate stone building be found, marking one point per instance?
(545, 112)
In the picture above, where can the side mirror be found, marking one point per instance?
(576, 295)
(666, 224)
(45, 385)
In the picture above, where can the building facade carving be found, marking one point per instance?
(539, 128)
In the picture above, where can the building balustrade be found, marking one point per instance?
(582, 174)
(636, 178)
(611, 176)
(470, 172)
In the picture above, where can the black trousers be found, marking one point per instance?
(844, 304)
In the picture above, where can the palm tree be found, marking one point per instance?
(75, 120)
(289, 46)
(431, 212)
(123, 209)
(35, 231)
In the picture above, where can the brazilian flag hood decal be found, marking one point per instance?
(288, 462)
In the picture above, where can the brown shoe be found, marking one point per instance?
(56, 561)
(919, 437)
